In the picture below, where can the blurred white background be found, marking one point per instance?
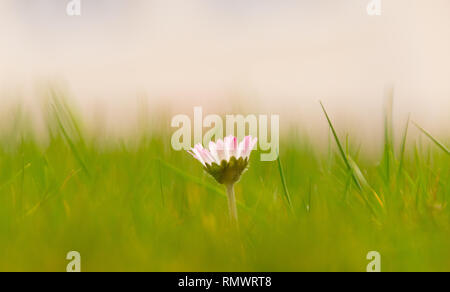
(273, 56)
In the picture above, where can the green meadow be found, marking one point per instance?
(134, 204)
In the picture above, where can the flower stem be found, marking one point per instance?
(232, 203)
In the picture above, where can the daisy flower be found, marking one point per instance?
(226, 160)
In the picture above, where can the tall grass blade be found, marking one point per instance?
(436, 141)
(341, 149)
(353, 168)
(72, 146)
(283, 181)
(160, 183)
(388, 155)
(403, 148)
(17, 175)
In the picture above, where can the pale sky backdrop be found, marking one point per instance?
(276, 56)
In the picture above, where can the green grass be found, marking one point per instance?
(136, 205)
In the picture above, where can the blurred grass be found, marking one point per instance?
(138, 205)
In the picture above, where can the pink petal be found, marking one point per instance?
(229, 147)
(240, 149)
(220, 150)
(234, 147)
(252, 145)
(197, 155)
(213, 151)
(203, 153)
(193, 154)
(246, 146)
(246, 150)
(207, 157)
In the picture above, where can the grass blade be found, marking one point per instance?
(403, 148)
(18, 174)
(283, 180)
(436, 141)
(341, 149)
(71, 144)
(353, 168)
(388, 155)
